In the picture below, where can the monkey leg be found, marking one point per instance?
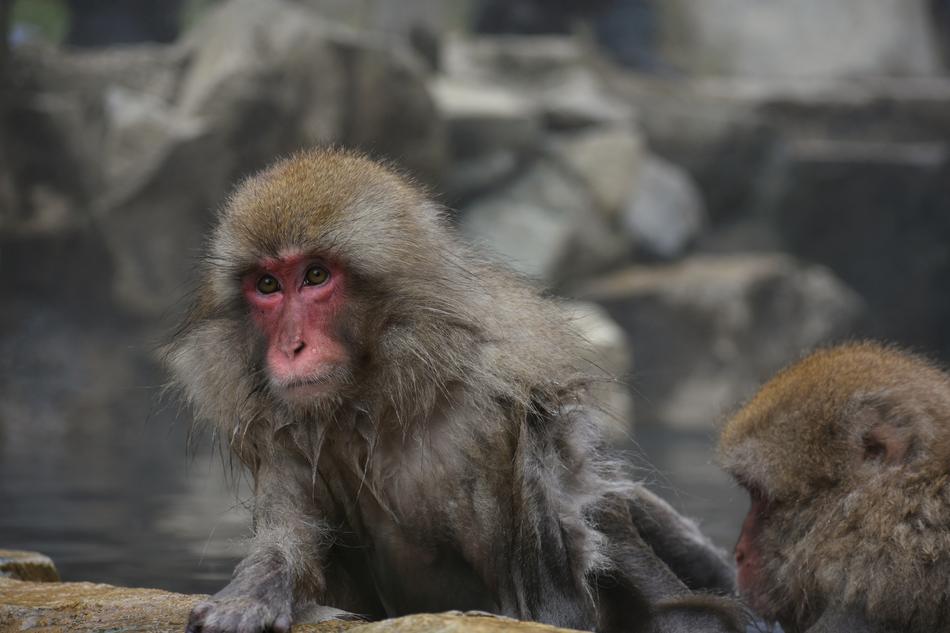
(679, 543)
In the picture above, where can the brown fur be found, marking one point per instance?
(460, 465)
(851, 528)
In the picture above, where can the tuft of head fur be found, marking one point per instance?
(425, 312)
(845, 527)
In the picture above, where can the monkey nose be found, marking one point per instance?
(293, 347)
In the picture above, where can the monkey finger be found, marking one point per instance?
(282, 624)
(201, 609)
(197, 617)
(251, 623)
(315, 614)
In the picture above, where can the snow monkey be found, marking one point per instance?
(846, 458)
(417, 423)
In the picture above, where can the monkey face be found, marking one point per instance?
(295, 302)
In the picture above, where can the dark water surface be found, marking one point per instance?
(94, 470)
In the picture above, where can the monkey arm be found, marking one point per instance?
(638, 576)
(283, 571)
(679, 543)
(551, 538)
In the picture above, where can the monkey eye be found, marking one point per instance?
(267, 285)
(316, 276)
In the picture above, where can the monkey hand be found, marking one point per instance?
(239, 614)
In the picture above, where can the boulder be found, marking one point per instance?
(800, 38)
(392, 19)
(546, 225)
(607, 159)
(709, 330)
(261, 82)
(876, 214)
(491, 130)
(666, 213)
(31, 566)
(723, 142)
(551, 70)
(730, 133)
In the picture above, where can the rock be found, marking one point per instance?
(879, 110)
(81, 606)
(747, 235)
(578, 99)
(607, 159)
(262, 81)
(154, 221)
(87, 607)
(392, 19)
(454, 622)
(513, 59)
(709, 330)
(666, 214)
(545, 225)
(296, 80)
(612, 360)
(800, 38)
(730, 133)
(551, 70)
(389, 110)
(251, 68)
(483, 118)
(724, 143)
(490, 129)
(254, 63)
(840, 202)
(148, 140)
(30, 566)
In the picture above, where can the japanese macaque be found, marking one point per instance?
(846, 458)
(417, 424)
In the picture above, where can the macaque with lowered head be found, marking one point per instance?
(846, 458)
(417, 423)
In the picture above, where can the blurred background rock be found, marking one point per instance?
(716, 185)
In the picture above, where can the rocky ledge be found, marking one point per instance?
(32, 599)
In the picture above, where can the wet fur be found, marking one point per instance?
(462, 438)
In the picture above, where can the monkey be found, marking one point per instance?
(417, 424)
(846, 458)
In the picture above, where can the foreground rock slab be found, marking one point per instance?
(83, 606)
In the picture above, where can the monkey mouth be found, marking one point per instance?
(310, 386)
(304, 382)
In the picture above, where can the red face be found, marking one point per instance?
(295, 301)
(748, 553)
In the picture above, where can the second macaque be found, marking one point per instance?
(846, 458)
(418, 424)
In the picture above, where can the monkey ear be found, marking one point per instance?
(883, 440)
